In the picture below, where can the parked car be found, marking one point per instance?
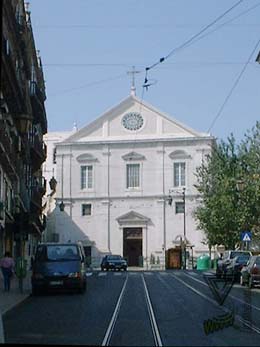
(223, 262)
(113, 262)
(58, 266)
(250, 273)
(233, 269)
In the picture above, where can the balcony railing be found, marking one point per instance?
(24, 195)
(8, 150)
(36, 92)
(1, 210)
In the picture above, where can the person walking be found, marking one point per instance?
(7, 266)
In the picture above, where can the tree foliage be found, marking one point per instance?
(229, 184)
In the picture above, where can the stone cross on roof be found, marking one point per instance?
(133, 72)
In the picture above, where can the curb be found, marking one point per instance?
(2, 336)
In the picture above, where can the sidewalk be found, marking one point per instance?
(8, 300)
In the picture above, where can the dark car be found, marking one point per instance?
(250, 273)
(58, 266)
(233, 269)
(113, 262)
(223, 262)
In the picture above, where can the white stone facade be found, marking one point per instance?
(134, 221)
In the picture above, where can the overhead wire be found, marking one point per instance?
(223, 24)
(147, 84)
(88, 85)
(162, 59)
(234, 86)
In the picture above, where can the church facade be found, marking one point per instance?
(125, 185)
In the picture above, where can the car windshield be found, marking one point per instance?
(237, 253)
(114, 257)
(57, 252)
(242, 259)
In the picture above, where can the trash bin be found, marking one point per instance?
(203, 262)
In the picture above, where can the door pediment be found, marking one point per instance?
(133, 217)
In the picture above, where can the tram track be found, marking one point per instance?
(157, 341)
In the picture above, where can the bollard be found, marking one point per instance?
(21, 270)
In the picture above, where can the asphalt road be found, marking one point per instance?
(166, 308)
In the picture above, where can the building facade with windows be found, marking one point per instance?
(120, 183)
(22, 125)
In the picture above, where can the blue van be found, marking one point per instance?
(58, 266)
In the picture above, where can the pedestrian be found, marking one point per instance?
(7, 266)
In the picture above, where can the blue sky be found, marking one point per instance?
(87, 47)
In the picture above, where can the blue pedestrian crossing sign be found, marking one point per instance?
(246, 236)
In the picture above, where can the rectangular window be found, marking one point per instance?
(133, 175)
(179, 174)
(179, 207)
(87, 177)
(86, 209)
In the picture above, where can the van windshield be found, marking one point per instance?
(57, 253)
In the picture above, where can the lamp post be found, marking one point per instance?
(183, 243)
(62, 205)
(240, 185)
(184, 224)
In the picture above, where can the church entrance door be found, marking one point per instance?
(133, 245)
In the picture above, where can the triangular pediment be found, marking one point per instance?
(133, 119)
(132, 217)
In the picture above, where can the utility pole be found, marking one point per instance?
(184, 225)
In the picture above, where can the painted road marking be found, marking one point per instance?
(88, 274)
(194, 274)
(102, 274)
(233, 297)
(248, 324)
(114, 317)
(156, 334)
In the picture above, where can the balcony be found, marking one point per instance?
(8, 151)
(24, 196)
(37, 223)
(38, 190)
(38, 151)
(13, 84)
(37, 99)
(2, 207)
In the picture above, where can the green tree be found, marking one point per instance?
(229, 184)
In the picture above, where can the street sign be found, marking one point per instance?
(246, 236)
